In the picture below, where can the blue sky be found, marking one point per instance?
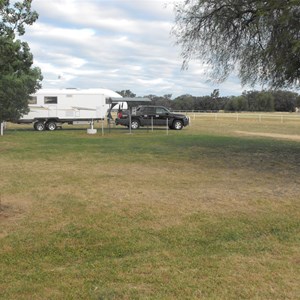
(115, 44)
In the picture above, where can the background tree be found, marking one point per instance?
(285, 100)
(239, 103)
(259, 101)
(215, 94)
(127, 93)
(298, 102)
(184, 102)
(18, 79)
(258, 38)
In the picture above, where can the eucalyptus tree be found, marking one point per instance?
(126, 93)
(18, 77)
(259, 39)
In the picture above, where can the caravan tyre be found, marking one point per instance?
(51, 125)
(39, 126)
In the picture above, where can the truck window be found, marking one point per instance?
(32, 100)
(148, 111)
(50, 100)
(161, 111)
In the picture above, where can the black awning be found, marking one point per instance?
(131, 102)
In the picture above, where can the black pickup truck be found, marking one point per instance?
(152, 116)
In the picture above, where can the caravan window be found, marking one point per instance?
(32, 100)
(50, 100)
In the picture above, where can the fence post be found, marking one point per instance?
(151, 123)
(2, 128)
(167, 126)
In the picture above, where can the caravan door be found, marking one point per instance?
(51, 102)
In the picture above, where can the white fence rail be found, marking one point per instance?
(243, 115)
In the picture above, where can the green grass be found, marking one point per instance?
(204, 213)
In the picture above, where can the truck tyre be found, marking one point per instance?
(135, 124)
(51, 125)
(177, 125)
(39, 126)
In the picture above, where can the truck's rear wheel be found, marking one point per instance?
(39, 126)
(135, 124)
(51, 125)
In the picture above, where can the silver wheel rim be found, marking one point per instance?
(40, 127)
(178, 125)
(51, 126)
(134, 125)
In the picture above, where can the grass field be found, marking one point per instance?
(209, 212)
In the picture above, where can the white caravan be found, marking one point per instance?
(50, 107)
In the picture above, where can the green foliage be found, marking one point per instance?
(14, 17)
(259, 101)
(239, 103)
(298, 101)
(184, 102)
(285, 100)
(259, 38)
(126, 93)
(215, 94)
(18, 78)
(158, 100)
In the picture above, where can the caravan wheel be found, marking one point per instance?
(51, 125)
(39, 126)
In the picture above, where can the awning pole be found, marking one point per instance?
(129, 120)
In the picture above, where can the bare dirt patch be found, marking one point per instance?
(12, 210)
(271, 135)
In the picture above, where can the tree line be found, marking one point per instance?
(267, 101)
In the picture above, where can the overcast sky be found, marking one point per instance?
(115, 44)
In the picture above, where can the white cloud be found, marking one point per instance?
(115, 44)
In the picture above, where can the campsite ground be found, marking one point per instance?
(209, 212)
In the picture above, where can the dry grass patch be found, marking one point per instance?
(271, 135)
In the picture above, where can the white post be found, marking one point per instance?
(151, 123)
(92, 130)
(102, 127)
(130, 110)
(167, 126)
(2, 128)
